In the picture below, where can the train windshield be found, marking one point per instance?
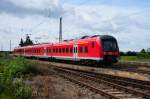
(109, 45)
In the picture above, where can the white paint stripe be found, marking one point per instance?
(66, 57)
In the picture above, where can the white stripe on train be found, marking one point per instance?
(66, 57)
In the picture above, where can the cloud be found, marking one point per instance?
(23, 8)
(129, 25)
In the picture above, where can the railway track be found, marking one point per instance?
(129, 68)
(119, 80)
(107, 86)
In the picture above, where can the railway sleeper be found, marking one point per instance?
(120, 94)
(109, 90)
(116, 92)
(107, 83)
(136, 98)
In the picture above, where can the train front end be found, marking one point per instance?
(110, 49)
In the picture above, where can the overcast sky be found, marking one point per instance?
(127, 20)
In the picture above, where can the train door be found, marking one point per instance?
(44, 52)
(75, 52)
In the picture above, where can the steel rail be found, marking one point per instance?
(131, 90)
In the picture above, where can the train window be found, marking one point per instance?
(74, 50)
(44, 50)
(63, 50)
(59, 50)
(49, 50)
(86, 49)
(93, 44)
(70, 50)
(110, 45)
(66, 50)
(56, 50)
(80, 49)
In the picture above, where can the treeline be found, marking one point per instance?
(142, 54)
(27, 42)
(129, 53)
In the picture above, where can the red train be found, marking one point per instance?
(97, 48)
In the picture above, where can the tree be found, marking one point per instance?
(131, 53)
(28, 41)
(148, 50)
(21, 42)
(143, 51)
(122, 54)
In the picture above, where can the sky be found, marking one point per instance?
(127, 20)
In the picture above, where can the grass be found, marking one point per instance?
(134, 58)
(13, 73)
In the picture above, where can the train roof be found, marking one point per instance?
(35, 45)
(65, 42)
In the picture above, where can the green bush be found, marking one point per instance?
(12, 73)
(145, 55)
(23, 91)
(17, 67)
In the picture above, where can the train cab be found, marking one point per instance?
(110, 49)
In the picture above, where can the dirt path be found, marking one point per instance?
(55, 87)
